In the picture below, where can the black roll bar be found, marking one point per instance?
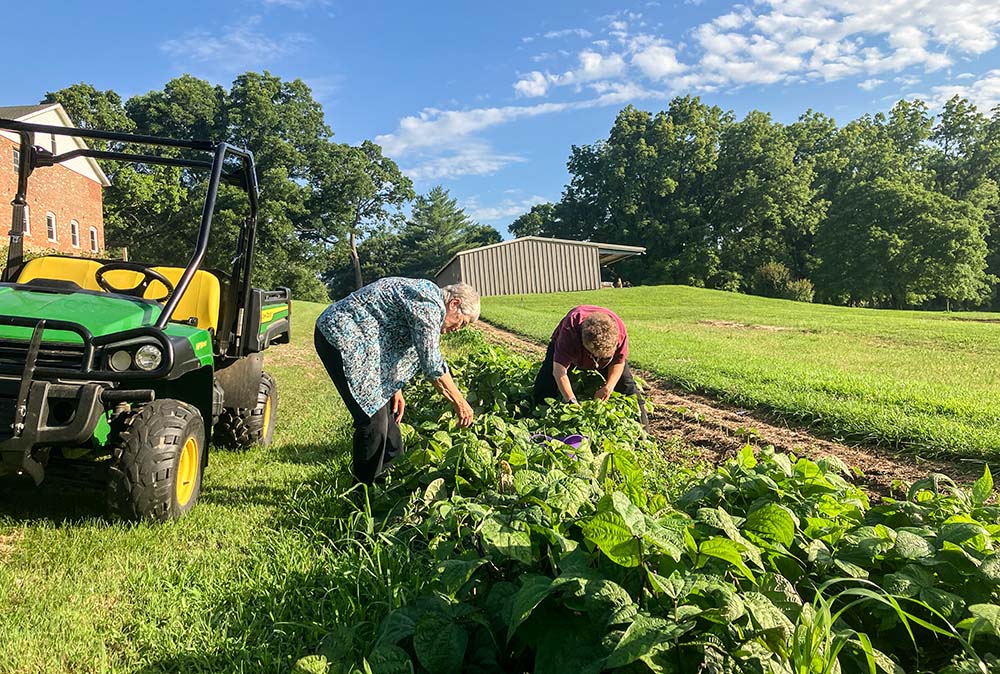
(32, 157)
(202, 245)
(14, 125)
(140, 158)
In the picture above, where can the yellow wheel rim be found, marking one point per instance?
(187, 471)
(267, 415)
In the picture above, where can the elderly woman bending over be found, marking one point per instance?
(588, 338)
(374, 341)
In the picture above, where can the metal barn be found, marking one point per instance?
(533, 264)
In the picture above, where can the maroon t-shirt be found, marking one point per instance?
(568, 340)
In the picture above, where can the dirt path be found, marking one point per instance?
(718, 431)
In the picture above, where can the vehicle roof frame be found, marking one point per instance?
(32, 157)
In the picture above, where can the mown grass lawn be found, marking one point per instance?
(250, 581)
(928, 382)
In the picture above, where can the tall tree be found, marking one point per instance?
(648, 184)
(891, 237)
(766, 208)
(539, 221)
(90, 108)
(437, 229)
(361, 192)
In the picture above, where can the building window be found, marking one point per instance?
(93, 239)
(74, 233)
(17, 160)
(50, 227)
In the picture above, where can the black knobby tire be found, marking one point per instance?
(244, 427)
(151, 450)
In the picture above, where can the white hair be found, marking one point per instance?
(468, 298)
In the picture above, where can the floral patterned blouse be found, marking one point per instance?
(386, 332)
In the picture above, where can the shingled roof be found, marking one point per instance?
(18, 111)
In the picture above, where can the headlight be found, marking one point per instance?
(148, 357)
(120, 361)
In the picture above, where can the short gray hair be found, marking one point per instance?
(468, 298)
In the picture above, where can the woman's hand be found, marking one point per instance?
(464, 412)
(603, 393)
(398, 404)
(445, 385)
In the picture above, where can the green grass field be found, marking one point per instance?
(250, 581)
(927, 382)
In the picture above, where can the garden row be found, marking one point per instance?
(551, 558)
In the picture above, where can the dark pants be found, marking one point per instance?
(377, 441)
(545, 384)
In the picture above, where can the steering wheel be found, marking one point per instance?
(148, 276)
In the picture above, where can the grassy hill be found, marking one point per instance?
(925, 381)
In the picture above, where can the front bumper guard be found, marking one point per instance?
(29, 425)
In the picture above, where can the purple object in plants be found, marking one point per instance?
(573, 441)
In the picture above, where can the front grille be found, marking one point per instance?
(14, 353)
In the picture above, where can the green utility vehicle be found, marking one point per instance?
(118, 373)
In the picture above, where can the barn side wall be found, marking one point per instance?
(527, 266)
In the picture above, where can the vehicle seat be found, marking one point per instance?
(78, 270)
(200, 301)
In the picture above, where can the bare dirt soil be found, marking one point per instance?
(717, 431)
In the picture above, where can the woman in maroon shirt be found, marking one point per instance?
(587, 338)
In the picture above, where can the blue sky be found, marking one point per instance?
(486, 98)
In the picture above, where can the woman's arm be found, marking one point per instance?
(445, 385)
(561, 374)
(614, 374)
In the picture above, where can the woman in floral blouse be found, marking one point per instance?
(374, 341)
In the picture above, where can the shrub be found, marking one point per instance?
(771, 279)
(800, 290)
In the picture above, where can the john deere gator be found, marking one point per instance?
(118, 373)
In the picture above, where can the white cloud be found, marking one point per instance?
(295, 4)
(658, 62)
(578, 32)
(619, 93)
(447, 128)
(476, 159)
(508, 208)
(732, 21)
(965, 76)
(797, 40)
(593, 66)
(984, 92)
(240, 46)
(760, 43)
(531, 85)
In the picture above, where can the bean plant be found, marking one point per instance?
(550, 558)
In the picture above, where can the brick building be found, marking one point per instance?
(64, 201)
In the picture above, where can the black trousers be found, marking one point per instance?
(377, 440)
(545, 384)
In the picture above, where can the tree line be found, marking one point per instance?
(332, 215)
(896, 209)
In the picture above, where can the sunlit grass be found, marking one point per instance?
(925, 381)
